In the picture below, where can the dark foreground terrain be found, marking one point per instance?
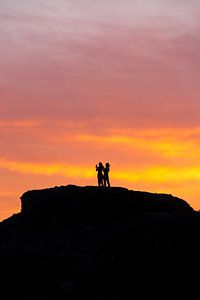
(75, 242)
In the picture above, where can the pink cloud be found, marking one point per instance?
(84, 74)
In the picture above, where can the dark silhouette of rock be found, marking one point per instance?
(73, 242)
(91, 204)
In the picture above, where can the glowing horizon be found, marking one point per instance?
(89, 81)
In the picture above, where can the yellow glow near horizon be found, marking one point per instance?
(145, 174)
(150, 160)
(45, 169)
(166, 146)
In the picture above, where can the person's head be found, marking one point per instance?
(107, 165)
(100, 164)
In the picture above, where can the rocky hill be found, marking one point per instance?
(72, 242)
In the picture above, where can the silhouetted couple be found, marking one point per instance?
(102, 174)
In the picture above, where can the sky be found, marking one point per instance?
(84, 81)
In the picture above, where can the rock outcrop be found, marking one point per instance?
(96, 204)
(73, 242)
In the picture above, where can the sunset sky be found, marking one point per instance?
(83, 81)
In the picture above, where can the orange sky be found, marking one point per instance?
(89, 81)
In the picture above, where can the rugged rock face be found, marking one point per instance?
(73, 242)
(90, 204)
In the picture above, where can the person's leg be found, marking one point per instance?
(99, 181)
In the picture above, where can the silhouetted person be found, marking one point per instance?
(106, 176)
(100, 169)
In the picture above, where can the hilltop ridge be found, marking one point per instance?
(90, 203)
(71, 242)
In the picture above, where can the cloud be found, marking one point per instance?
(158, 174)
(127, 79)
(164, 143)
(45, 169)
